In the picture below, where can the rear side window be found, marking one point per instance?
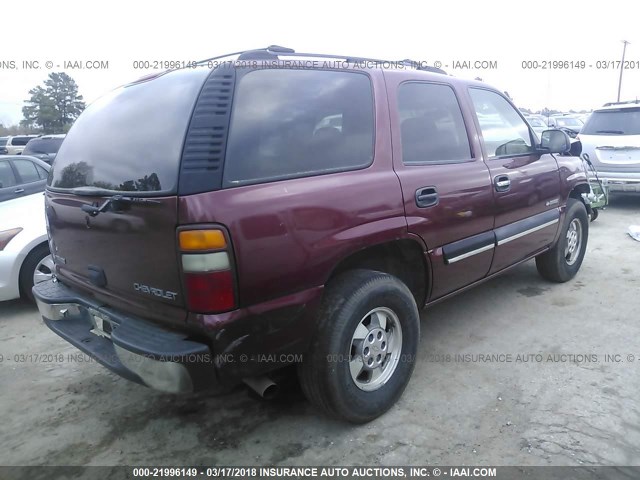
(503, 130)
(431, 124)
(623, 121)
(42, 145)
(20, 141)
(295, 123)
(26, 170)
(7, 178)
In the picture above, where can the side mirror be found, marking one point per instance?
(555, 141)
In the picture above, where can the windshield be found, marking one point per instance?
(568, 122)
(622, 121)
(3, 141)
(131, 139)
(42, 145)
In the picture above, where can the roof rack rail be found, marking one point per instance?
(272, 52)
(418, 66)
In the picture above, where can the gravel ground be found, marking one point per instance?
(572, 405)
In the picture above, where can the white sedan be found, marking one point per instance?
(24, 251)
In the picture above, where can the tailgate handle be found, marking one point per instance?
(426, 197)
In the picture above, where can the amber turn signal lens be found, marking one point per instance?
(202, 240)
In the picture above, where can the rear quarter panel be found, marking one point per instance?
(289, 235)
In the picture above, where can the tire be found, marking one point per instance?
(562, 262)
(28, 269)
(594, 215)
(353, 300)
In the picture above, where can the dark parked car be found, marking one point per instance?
(21, 175)
(295, 215)
(45, 148)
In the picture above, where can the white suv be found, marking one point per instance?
(611, 138)
(15, 145)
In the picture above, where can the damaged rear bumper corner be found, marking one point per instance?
(133, 348)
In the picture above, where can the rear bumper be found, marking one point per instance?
(131, 347)
(619, 181)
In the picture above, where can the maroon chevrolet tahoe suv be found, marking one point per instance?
(214, 225)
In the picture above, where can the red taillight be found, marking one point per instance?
(210, 292)
(206, 264)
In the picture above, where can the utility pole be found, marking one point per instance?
(624, 49)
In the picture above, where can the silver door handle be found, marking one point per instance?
(503, 183)
(19, 190)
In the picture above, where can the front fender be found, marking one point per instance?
(572, 174)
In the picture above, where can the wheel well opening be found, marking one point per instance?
(577, 192)
(21, 273)
(403, 259)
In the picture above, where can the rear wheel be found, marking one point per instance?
(363, 353)
(36, 268)
(563, 261)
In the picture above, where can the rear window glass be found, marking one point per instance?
(623, 121)
(131, 139)
(42, 145)
(295, 123)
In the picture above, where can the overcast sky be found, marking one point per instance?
(121, 32)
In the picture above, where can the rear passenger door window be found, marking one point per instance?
(447, 192)
(431, 124)
(26, 170)
(297, 123)
(504, 131)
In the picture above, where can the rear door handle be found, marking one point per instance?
(19, 190)
(426, 197)
(502, 183)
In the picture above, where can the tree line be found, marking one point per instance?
(51, 108)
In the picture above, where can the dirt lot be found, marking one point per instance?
(551, 410)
